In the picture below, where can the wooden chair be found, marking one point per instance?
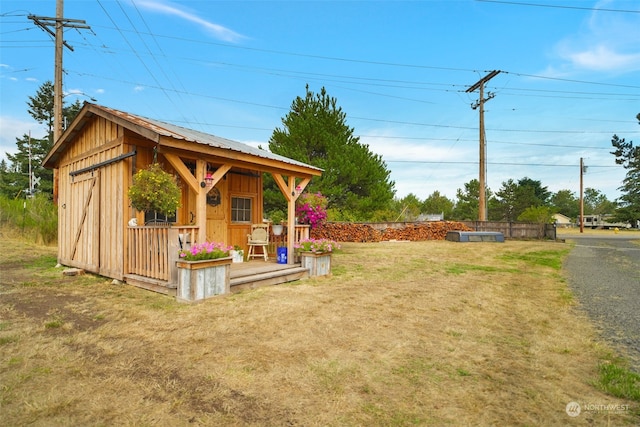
(259, 237)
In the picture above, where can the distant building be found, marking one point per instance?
(562, 220)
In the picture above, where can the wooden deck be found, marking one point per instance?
(244, 275)
(256, 273)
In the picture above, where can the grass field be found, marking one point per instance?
(403, 333)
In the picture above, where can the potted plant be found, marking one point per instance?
(203, 271)
(237, 254)
(276, 217)
(317, 246)
(155, 190)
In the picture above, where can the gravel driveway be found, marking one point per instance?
(603, 271)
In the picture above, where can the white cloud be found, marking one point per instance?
(413, 150)
(604, 58)
(608, 42)
(216, 30)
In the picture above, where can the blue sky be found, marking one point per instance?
(399, 70)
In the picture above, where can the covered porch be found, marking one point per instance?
(153, 252)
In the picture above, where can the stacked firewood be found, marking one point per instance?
(351, 232)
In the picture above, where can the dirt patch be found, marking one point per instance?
(60, 311)
(32, 289)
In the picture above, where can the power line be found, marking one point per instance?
(557, 6)
(394, 64)
(455, 162)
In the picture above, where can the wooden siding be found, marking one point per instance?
(90, 235)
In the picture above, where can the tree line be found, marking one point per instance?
(522, 200)
(356, 182)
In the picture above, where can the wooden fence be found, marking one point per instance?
(515, 230)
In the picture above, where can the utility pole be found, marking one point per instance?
(583, 169)
(59, 23)
(482, 200)
(30, 170)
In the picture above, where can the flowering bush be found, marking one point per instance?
(206, 250)
(154, 189)
(316, 245)
(312, 209)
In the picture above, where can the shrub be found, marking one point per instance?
(36, 217)
(312, 209)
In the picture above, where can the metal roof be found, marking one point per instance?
(163, 129)
(191, 135)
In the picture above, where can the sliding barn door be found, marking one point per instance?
(81, 209)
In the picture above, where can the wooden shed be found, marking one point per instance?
(94, 162)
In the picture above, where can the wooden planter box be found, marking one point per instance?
(318, 264)
(199, 280)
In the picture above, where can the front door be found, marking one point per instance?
(217, 221)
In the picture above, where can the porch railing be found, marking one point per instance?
(300, 232)
(153, 250)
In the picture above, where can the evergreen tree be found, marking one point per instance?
(436, 203)
(410, 207)
(628, 156)
(540, 193)
(14, 180)
(596, 203)
(18, 174)
(507, 199)
(355, 181)
(514, 198)
(566, 203)
(466, 208)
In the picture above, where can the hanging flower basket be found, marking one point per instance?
(155, 190)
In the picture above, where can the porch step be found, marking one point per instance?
(253, 280)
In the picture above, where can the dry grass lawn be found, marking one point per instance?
(403, 333)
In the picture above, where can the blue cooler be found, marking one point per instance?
(281, 255)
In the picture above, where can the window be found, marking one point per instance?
(241, 209)
(156, 217)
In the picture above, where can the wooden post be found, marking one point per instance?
(57, 81)
(291, 219)
(173, 248)
(482, 197)
(201, 202)
(581, 220)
